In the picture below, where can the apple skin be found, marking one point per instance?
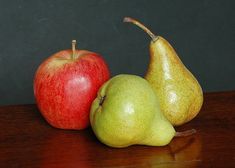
(64, 87)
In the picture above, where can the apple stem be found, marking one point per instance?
(73, 49)
(185, 133)
(137, 23)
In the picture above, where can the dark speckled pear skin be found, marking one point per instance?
(179, 92)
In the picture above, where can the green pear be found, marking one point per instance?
(179, 92)
(126, 112)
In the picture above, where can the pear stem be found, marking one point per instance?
(137, 23)
(185, 133)
(102, 100)
(73, 49)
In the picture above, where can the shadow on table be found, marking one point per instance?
(82, 149)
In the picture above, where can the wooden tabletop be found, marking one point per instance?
(26, 140)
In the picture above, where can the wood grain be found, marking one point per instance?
(26, 140)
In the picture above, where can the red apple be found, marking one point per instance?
(65, 85)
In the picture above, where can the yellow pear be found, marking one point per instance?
(179, 92)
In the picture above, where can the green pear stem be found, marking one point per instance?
(102, 100)
(137, 23)
(73, 49)
(185, 133)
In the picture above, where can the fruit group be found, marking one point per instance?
(65, 85)
(179, 92)
(126, 112)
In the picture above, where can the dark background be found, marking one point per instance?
(202, 32)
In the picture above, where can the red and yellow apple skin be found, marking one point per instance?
(65, 85)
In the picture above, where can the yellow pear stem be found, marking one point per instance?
(185, 133)
(73, 49)
(137, 23)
